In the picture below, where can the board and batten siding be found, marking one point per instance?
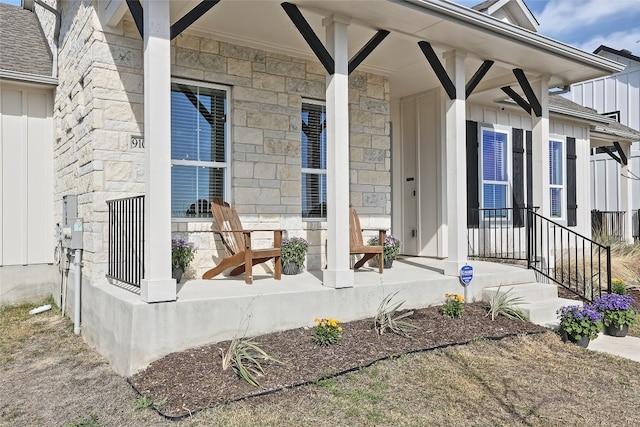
(26, 179)
(618, 92)
(557, 128)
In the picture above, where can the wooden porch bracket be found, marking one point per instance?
(528, 92)
(623, 157)
(477, 77)
(517, 98)
(437, 67)
(318, 48)
(611, 154)
(191, 17)
(137, 12)
(309, 36)
(367, 49)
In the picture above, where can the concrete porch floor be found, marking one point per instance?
(132, 333)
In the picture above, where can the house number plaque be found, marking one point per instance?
(137, 141)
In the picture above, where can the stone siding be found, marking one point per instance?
(99, 107)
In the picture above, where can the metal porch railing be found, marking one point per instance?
(498, 234)
(556, 253)
(567, 258)
(608, 223)
(126, 240)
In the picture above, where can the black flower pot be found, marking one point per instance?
(176, 273)
(582, 342)
(616, 332)
(388, 263)
(290, 268)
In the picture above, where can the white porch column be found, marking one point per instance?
(456, 172)
(338, 273)
(626, 193)
(157, 285)
(540, 154)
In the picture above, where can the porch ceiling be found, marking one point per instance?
(264, 24)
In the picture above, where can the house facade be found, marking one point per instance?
(615, 183)
(428, 117)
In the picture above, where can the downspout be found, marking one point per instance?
(30, 5)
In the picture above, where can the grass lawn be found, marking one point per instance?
(51, 377)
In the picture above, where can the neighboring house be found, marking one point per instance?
(27, 82)
(615, 177)
(417, 113)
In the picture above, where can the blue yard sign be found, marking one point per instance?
(466, 274)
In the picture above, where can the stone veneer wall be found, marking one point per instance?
(99, 106)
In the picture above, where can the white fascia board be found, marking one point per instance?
(470, 17)
(28, 78)
(112, 11)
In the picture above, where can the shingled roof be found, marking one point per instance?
(23, 47)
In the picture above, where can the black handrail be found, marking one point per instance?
(608, 223)
(126, 240)
(498, 234)
(567, 258)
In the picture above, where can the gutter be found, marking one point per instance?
(470, 17)
(28, 77)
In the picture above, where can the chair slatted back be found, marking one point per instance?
(355, 231)
(226, 218)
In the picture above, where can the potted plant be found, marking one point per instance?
(292, 254)
(391, 248)
(182, 253)
(579, 324)
(617, 312)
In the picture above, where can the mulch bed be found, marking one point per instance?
(193, 380)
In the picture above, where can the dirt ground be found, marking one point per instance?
(50, 377)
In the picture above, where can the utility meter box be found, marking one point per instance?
(76, 234)
(71, 229)
(69, 210)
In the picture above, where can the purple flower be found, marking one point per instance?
(613, 302)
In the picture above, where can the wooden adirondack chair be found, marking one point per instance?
(237, 243)
(357, 246)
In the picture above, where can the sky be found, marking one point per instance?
(586, 24)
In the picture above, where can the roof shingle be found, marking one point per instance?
(23, 47)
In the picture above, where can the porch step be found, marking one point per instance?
(544, 312)
(529, 292)
(540, 301)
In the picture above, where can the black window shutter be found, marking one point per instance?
(518, 177)
(473, 218)
(529, 151)
(572, 207)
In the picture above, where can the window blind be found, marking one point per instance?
(314, 161)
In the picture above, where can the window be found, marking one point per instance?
(314, 160)
(199, 165)
(494, 166)
(556, 177)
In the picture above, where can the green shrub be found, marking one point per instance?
(387, 319)
(501, 303)
(245, 357)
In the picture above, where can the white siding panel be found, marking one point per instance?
(634, 100)
(39, 180)
(13, 179)
(598, 95)
(587, 94)
(622, 93)
(611, 102)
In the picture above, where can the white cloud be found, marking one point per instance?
(564, 16)
(618, 40)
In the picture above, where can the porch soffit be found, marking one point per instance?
(447, 26)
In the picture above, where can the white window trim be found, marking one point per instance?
(226, 165)
(563, 187)
(311, 170)
(509, 200)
